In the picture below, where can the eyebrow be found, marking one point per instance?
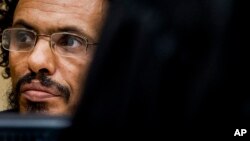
(22, 23)
(71, 29)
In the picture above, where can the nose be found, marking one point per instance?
(42, 58)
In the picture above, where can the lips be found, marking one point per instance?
(35, 92)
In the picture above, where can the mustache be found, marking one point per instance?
(45, 81)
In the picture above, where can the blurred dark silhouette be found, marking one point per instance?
(169, 67)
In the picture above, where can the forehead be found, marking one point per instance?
(86, 14)
(62, 6)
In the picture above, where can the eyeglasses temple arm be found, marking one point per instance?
(94, 44)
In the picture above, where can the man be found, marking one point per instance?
(50, 46)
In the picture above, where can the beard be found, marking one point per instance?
(36, 107)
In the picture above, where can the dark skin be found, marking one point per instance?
(84, 17)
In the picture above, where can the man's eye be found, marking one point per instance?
(69, 41)
(24, 37)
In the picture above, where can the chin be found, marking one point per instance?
(47, 111)
(49, 107)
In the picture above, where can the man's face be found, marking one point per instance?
(44, 80)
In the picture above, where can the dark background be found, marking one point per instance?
(168, 68)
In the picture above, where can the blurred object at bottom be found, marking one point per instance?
(15, 127)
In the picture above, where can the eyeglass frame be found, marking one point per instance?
(85, 39)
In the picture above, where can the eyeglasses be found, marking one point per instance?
(63, 43)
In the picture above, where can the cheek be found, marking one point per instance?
(18, 66)
(81, 73)
(75, 73)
